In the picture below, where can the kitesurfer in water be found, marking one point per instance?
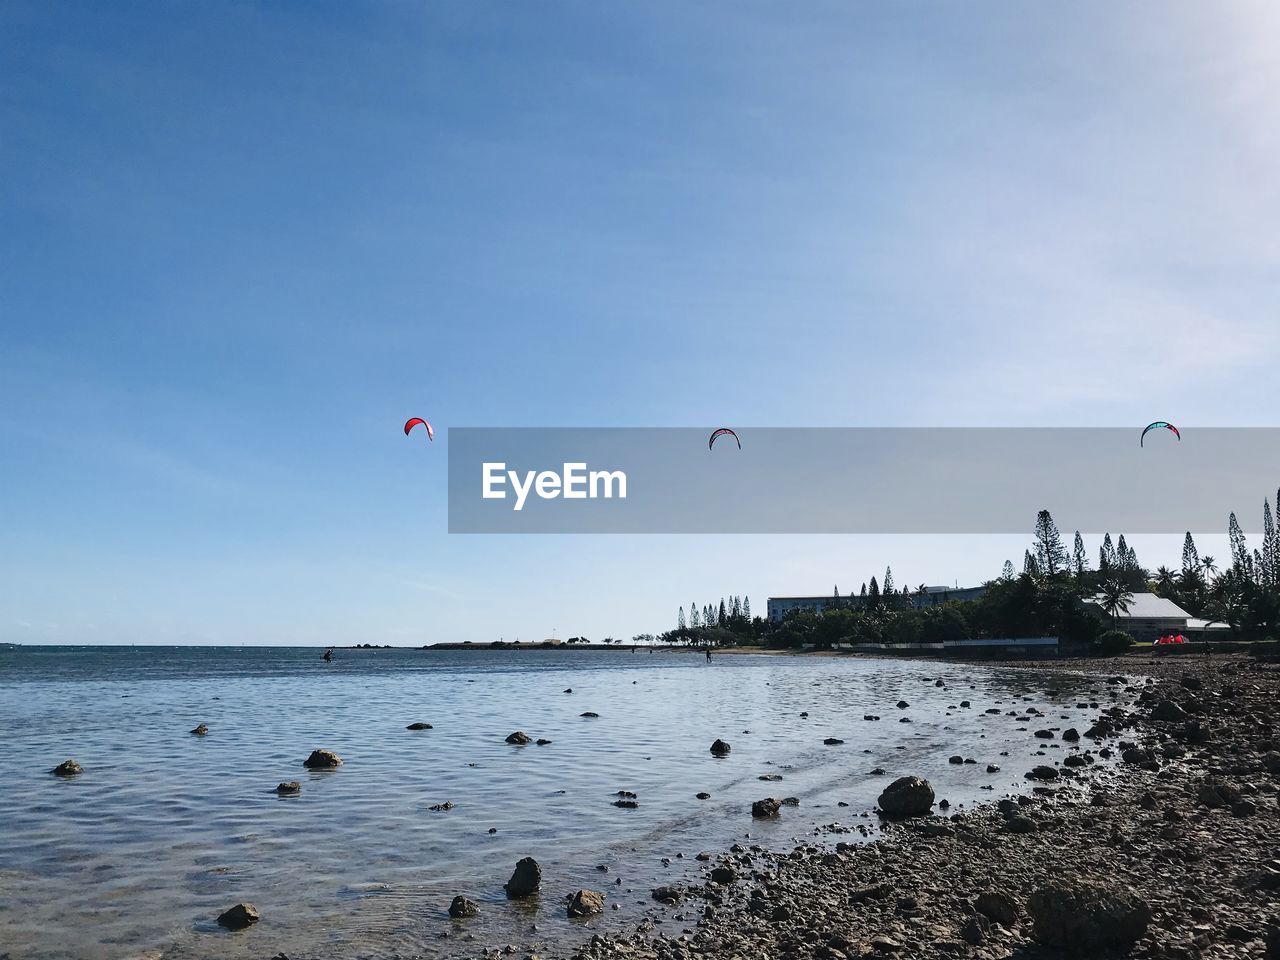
(328, 656)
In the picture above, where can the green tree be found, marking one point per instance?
(1115, 598)
(680, 624)
(1007, 572)
(1241, 561)
(1107, 555)
(695, 618)
(1029, 567)
(1190, 555)
(746, 607)
(1079, 559)
(1051, 555)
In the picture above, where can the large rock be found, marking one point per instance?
(768, 807)
(1166, 711)
(525, 879)
(720, 748)
(907, 797)
(240, 916)
(586, 903)
(418, 725)
(1042, 773)
(1087, 918)
(67, 768)
(322, 760)
(461, 908)
(724, 874)
(519, 738)
(997, 906)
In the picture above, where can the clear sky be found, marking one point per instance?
(242, 242)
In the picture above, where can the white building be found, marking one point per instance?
(1148, 618)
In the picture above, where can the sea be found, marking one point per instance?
(137, 856)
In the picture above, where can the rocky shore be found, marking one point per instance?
(1175, 856)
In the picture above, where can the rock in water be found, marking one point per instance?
(724, 874)
(200, 730)
(1042, 772)
(419, 725)
(907, 797)
(525, 879)
(519, 738)
(768, 807)
(720, 748)
(322, 760)
(1087, 918)
(67, 768)
(833, 742)
(586, 903)
(289, 789)
(461, 907)
(240, 916)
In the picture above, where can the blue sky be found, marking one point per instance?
(243, 242)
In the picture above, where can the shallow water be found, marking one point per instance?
(165, 830)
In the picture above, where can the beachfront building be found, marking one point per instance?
(779, 608)
(1148, 618)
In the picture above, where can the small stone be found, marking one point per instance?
(200, 730)
(519, 738)
(720, 748)
(240, 916)
(67, 768)
(585, 903)
(703, 796)
(461, 908)
(724, 875)
(419, 725)
(322, 760)
(767, 807)
(289, 789)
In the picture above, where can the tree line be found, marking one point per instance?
(1058, 592)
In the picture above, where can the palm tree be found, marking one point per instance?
(1210, 567)
(1115, 598)
(1165, 581)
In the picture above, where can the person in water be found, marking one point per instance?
(708, 654)
(328, 656)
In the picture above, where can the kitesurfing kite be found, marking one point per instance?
(720, 433)
(413, 422)
(1155, 426)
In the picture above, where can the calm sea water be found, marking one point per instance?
(164, 830)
